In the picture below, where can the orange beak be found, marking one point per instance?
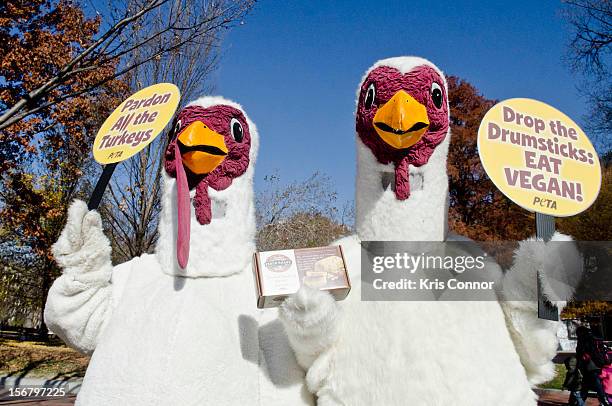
(202, 149)
(402, 121)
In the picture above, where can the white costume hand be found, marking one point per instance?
(79, 302)
(558, 263)
(82, 246)
(559, 266)
(311, 320)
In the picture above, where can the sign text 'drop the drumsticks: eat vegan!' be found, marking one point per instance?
(539, 158)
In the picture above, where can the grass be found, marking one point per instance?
(42, 360)
(557, 381)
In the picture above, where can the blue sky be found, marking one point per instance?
(295, 67)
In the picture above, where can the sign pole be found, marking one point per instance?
(96, 196)
(545, 228)
(541, 160)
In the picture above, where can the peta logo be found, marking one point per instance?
(549, 203)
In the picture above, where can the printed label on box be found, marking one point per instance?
(282, 273)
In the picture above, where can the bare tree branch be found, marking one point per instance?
(589, 55)
(178, 55)
(208, 19)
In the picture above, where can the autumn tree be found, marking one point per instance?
(131, 206)
(34, 214)
(61, 73)
(180, 22)
(477, 208)
(43, 157)
(37, 39)
(595, 223)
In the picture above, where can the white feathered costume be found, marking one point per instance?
(162, 335)
(420, 353)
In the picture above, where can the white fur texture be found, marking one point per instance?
(559, 266)
(83, 251)
(379, 215)
(406, 353)
(165, 336)
(233, 226)
(191, 341)
(417, 353)
(405, 64)
(307, 312)
(422, 217)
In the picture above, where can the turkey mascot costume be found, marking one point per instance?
(421, 353)
(178, 327)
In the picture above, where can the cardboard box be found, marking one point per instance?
(278, 274)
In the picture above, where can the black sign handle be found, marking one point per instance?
(545, 228)
(96, 196)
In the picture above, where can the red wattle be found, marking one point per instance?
(203, 210)
(184, 213)
(402, 179)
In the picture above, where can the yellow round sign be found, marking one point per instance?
(539, 158)
(135, 123)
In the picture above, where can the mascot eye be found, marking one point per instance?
(236, 129)
(177, 127)
(370, 95)
(436, 94)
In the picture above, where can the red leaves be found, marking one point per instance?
(477, 208)
(37, 38)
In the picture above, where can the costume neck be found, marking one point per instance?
(380, 216)
(221, 248)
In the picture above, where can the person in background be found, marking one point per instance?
(590, 362)
(573, 381)
(606, 376)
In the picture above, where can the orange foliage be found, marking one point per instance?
(477, 208)
(44, 156)
(37, 38)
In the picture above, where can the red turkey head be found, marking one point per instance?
(210, 147)
(402, 114)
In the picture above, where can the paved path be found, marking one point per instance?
(558, 398)
(68, 386)
(63, 401)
